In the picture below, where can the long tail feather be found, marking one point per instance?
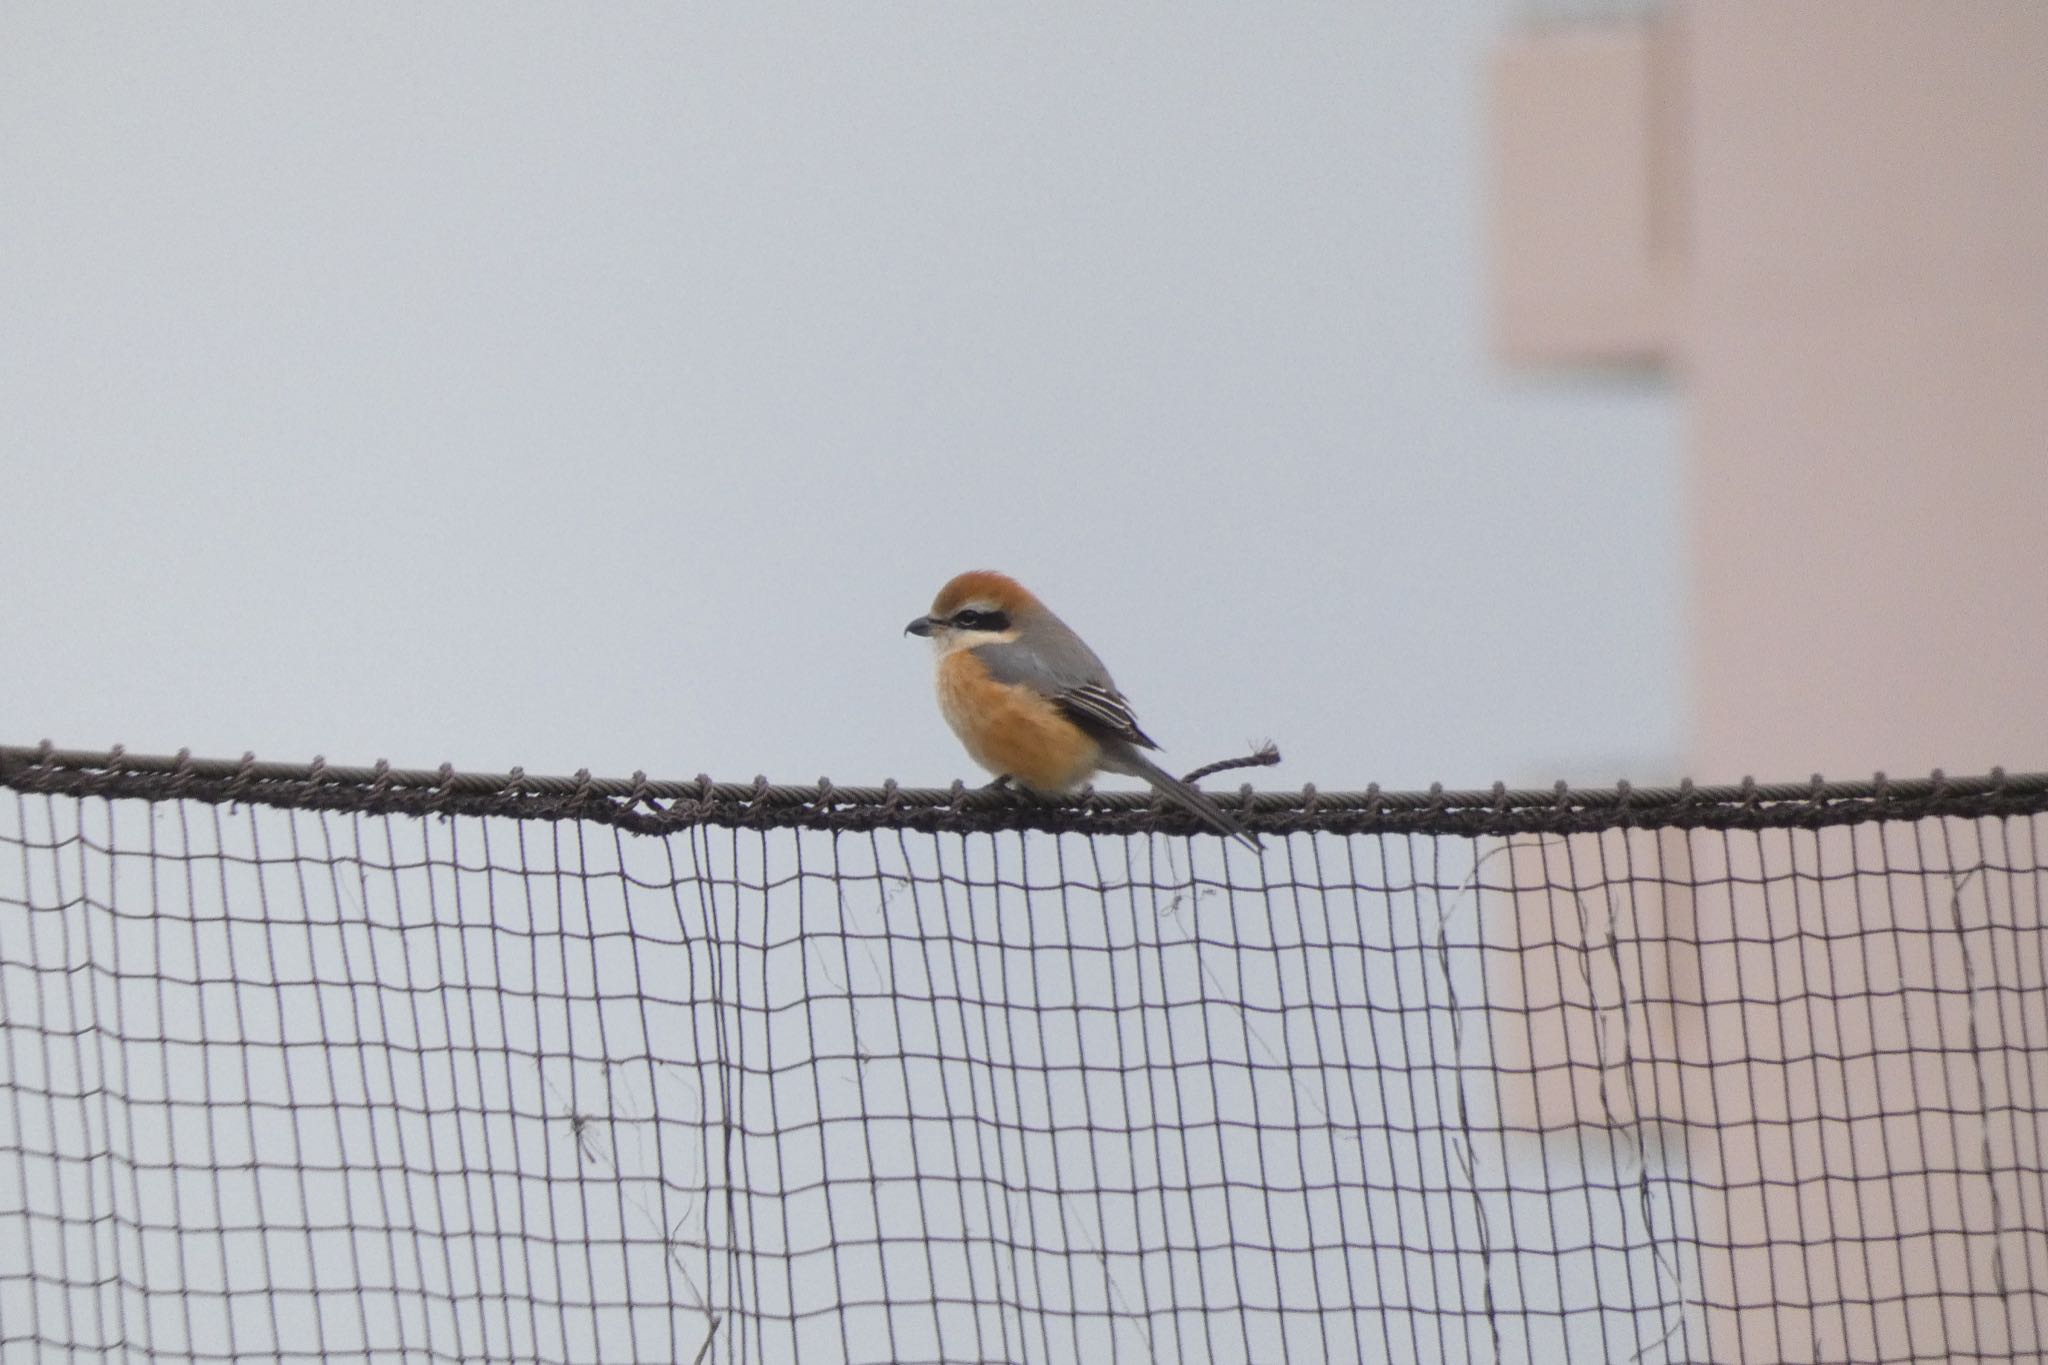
(1129, 760)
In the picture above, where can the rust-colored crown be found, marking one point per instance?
(982, 585)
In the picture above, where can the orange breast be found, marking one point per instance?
(1010, 729)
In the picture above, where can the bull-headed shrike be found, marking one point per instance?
(1033, 703)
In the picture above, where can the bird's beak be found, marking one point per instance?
(921, 626)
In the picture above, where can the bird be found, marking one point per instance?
(1033, 703)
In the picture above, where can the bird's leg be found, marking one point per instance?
(1001, 783)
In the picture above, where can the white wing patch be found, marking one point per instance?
(1106, 707)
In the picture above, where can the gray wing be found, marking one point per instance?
(1062, 667)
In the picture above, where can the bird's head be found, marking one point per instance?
(976, 608)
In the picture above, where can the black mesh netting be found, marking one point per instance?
(308, 1065)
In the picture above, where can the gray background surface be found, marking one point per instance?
(578, 388)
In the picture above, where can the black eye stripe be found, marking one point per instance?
(971, 619)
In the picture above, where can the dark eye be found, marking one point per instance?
(972, 619)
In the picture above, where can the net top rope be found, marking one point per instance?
(648, 806)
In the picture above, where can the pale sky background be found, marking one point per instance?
(606, 388)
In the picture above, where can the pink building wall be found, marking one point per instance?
(1829, 220)
(1863, 354)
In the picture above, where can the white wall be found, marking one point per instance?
(551, 388)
